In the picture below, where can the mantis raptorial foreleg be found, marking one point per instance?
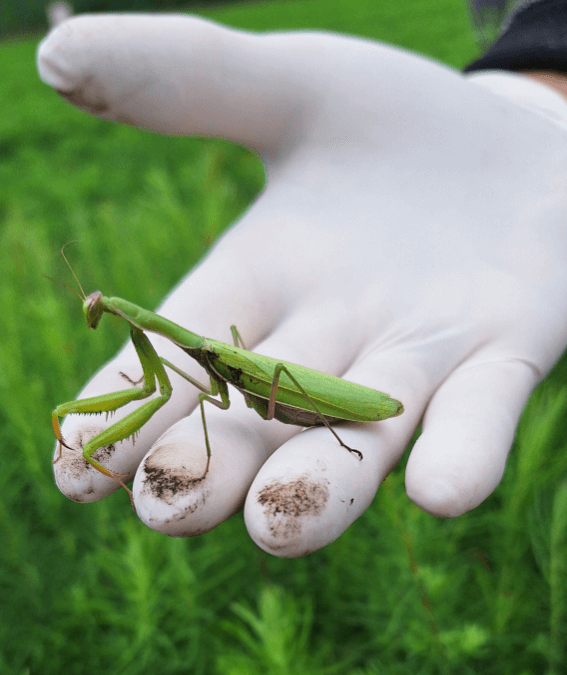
(152, 368)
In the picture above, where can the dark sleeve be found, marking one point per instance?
(533, 37)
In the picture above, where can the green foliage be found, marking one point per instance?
(23, 16)
(436, 28)
(87, 588)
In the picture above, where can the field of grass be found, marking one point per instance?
(87, 588)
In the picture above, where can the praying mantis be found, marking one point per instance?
(288, 392)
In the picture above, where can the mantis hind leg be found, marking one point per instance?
(279, 369)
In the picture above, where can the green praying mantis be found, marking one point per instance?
(276, 389)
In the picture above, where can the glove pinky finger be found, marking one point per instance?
(467, 433)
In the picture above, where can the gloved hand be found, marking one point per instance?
(411, 238)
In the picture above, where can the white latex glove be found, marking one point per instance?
(411, 238)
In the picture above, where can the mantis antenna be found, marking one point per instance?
(82, 295)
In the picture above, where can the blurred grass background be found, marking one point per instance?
(23, 16)
(87, 588)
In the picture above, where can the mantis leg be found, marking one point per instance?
(238, 341)
(273, 400)
(217, 387)
(132, 423)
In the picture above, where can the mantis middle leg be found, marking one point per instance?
(219, 387)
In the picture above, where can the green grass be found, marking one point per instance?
(89, 589)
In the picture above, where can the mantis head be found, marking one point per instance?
(93, 308)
